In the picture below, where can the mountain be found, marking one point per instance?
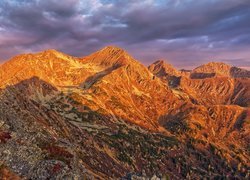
(201, 89)
(161, 69)
(107, 116)
(166, 71)
(218, 69)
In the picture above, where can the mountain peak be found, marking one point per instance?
(161, 68)
(160, 62)
(215, 65)
(110, 56)
(218, 68)
(114, 51)
(113, 48)
(218, 64)
(51, 52)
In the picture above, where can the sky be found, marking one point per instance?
(185, 33)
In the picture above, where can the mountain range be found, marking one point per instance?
(107, 116)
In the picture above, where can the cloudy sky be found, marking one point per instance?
(184, 32)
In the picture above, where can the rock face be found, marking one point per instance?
(108, 116)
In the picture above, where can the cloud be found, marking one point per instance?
(186, 32)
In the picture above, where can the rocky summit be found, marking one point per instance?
(107, 116)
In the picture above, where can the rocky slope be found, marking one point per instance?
(108, 116)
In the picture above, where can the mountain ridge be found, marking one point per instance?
(108, 116)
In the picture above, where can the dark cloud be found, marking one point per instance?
(187, 32)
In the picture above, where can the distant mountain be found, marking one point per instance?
(212, 83)
(167, 72)
(218, 69)
(160, 69)
(107, 116)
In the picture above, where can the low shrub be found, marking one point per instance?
(4, 137)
